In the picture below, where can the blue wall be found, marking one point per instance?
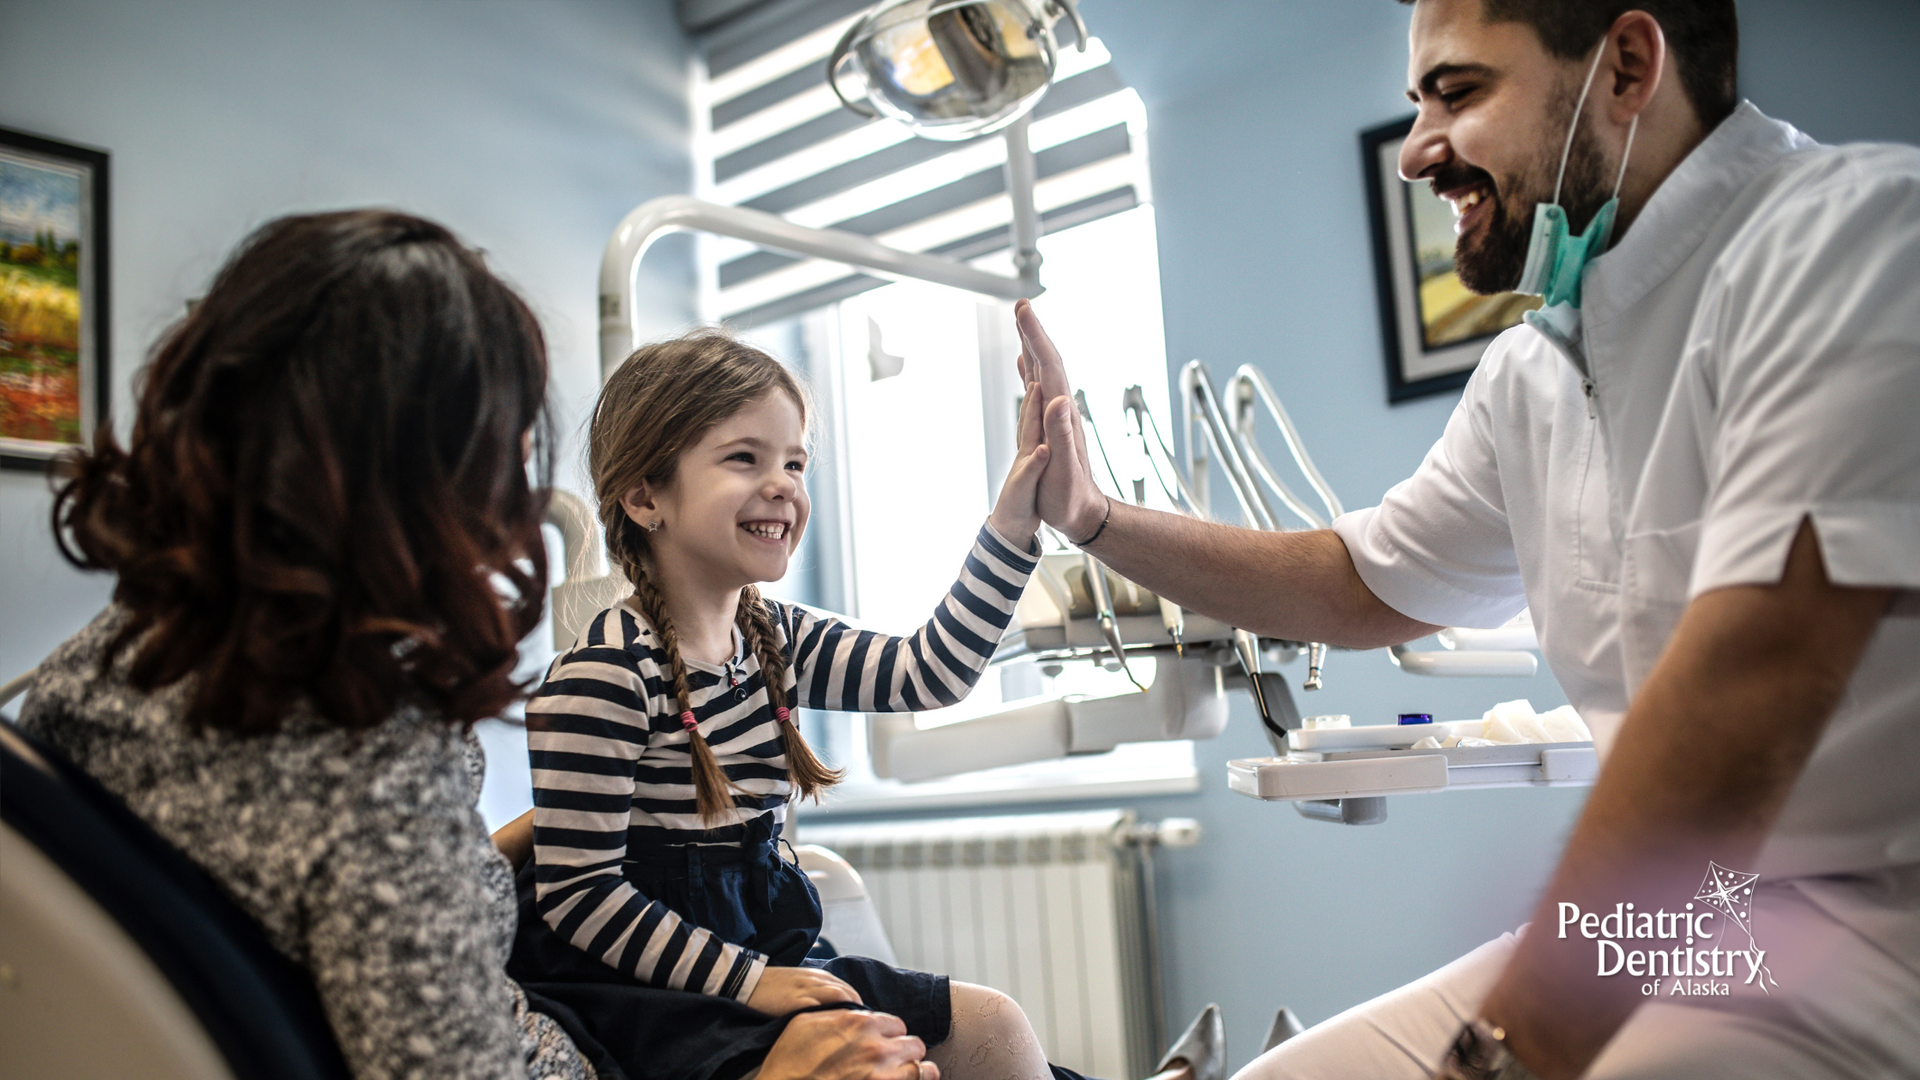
(527, 128)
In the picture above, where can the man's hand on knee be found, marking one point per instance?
(847, 1044)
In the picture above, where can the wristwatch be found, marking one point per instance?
(1480, 1053)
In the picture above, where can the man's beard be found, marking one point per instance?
(1492, 261)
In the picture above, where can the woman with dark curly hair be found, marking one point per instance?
(326, 537)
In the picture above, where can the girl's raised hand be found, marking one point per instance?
(784, 990)
(1069, 500)
(1016, 515)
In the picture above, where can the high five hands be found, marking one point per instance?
(1065, 495)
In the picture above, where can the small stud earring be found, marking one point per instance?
(654, 525)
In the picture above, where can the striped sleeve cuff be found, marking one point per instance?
(744, 979)
(1005, 552)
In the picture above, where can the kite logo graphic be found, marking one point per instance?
(1730, 892)
(1694, 964)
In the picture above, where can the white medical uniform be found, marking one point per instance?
(1750, 359)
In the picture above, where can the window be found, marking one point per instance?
(917, 400)
(916, 388)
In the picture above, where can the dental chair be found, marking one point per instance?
(849, 921)
(119, 957)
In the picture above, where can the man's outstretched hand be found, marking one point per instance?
(1067, 497)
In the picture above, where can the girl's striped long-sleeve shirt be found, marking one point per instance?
(612, 764)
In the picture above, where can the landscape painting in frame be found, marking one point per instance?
(1433, 328)
(53, 308)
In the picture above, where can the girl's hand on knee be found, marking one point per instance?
(784, 990)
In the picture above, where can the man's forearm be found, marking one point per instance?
(1703, 764)
(1300, 585)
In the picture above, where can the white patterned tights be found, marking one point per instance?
(991, 1039)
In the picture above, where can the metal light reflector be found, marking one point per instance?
(949, 69)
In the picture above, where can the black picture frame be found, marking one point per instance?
(54, 226)
(1427, 351)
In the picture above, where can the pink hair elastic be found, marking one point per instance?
(780, 713)
(687, 721)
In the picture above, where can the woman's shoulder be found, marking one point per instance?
(413, 753)
(263, 813)
(140, 744)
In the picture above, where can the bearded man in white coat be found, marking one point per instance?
(1698, 464)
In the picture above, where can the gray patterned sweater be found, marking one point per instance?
(361, 854)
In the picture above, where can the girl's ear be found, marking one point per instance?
(639, 504)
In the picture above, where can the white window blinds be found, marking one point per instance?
(770, 135)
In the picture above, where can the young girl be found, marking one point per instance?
(665, 746)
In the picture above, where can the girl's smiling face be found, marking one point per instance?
(737, 506)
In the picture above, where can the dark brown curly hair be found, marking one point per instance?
(332, 491)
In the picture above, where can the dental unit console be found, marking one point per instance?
(1077, 610)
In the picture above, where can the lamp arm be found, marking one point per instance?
(670, 213)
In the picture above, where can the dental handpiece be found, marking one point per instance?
(1316, 655)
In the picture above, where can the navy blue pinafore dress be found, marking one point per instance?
(746, 894)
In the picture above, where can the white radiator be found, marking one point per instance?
(1052, 909)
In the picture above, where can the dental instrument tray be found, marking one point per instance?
(1361, 773)
(1378, 736)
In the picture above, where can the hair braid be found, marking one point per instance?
(664, 398)
(711, 787)
(811, 777)
(626, 542)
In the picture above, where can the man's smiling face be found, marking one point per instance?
(1494, 107)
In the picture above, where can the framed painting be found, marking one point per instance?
(54, 379)
(1434, 330)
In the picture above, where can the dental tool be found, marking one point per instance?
(1080, 402)
(1248, 387)
(1103, 607)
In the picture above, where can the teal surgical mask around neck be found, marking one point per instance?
(1557, 259)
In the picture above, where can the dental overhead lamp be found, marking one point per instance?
(947, 70)
(950, 69)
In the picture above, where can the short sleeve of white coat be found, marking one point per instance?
(1812, 366)
(1438, 547)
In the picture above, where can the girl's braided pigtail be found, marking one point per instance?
(711, 787)
(811, 777)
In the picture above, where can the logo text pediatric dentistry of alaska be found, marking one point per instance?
(1695, 961)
